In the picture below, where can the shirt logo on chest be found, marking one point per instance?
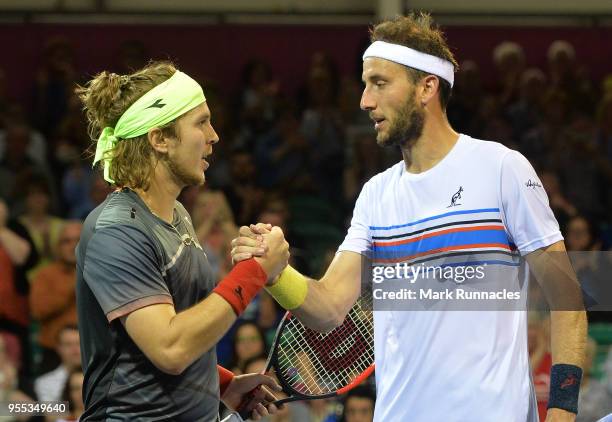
(456, 197)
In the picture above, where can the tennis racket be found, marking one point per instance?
(310, 365)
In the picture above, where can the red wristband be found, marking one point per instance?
(242, 284)
(225, 377)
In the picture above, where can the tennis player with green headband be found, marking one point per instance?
(150, 311)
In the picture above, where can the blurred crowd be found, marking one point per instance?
(293, 159)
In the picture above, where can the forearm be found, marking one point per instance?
(553, 271)
(17, 248)
(195, 331)
(568, 337)
(173, 341)
(323, 309)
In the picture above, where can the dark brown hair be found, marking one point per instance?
(105, 98)
(417, 31)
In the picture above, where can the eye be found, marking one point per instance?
(380, 83)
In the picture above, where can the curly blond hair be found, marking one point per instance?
(105, 98)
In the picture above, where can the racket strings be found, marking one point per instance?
(315, 363)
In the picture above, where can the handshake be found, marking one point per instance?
(266, 244)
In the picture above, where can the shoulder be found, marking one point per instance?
(120, 208)
(120, 218)
(480, 148)
(383, 179)
(120, 211)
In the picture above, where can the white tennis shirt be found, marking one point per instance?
(482, 200)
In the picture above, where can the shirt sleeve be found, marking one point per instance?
(525, 209)
(358, 239)
(123, 271)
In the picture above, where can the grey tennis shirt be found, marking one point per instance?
(127, 259)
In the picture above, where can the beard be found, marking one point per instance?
(181, 175)
(407, 127)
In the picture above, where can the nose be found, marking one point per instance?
(367, 100)
(213, 138)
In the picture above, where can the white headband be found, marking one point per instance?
(412, 58)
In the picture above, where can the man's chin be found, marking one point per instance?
(193, 180)
(199, 181)
(383, 140)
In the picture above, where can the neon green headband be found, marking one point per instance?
(162, 104)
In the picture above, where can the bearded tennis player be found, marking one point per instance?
(452, 199)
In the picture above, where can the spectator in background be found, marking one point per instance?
(9, 388)
(540, 359)
(525, 113)
(83, 190)
(561, 57)
(268, 317)
(580, 235)
(603, 141)
(562, 208)
(49, 387)
(323, 128)
(257, 101)
(324, 410)
(364, 159)
(595, 400)
(604, 124)
(592, 268)
(509, 60)
(244, 196)
(17, 256)
(52, 296)
(281, 152)
(348, 96)
(218, 174)
(70, 138)
(4, 100)
(73, 394)
(541, 143)
(54, 84)
(476, 112)
(494, 124)
(466, 102)
(359, 405)
(248, 342)
(214, 224)
(43, 228)
(567, 75)
(18, 165)
(275, 211)
(255, 364)
(17, 130)
(583, 175)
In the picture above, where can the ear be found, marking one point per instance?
(429, 89)
(157, 140)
